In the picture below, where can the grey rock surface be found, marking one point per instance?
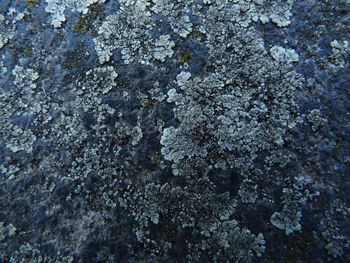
(174, 131)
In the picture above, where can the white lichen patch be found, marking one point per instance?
(240, 243)
(163, 7)
(336, 240)
(25, 77)
(316, 119)
(248, 192)
(198, 134)
(137, 135)
(244, 12)
(287, 220)
(131, 38)
(182, 26)
(201, 133)
(57, 9)
(284, 55)
(99, 82)
(281, 14)
(340, 54)
(163, 48)
(7, 230)
(20, 140)
(139, 6)
(8, 25)
(109, 76)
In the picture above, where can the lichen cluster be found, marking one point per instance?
(177, 131)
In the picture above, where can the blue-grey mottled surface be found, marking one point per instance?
(174, 131)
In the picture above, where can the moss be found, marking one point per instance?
(196, 32)
(28, 51)
(32, 3)
(299, 247)
(85, 22)
(76, 60)
(186, 56)
(71, 61)
(158, 159)
(149, 105)
(167, 231)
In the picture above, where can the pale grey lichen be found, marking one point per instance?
(316, 119)
(222, 123)
(197, 206)
(28, 253)
(239, 243)
(7, 231)
(248, 191)
(280, 14)
(226, 120)
(207, 2)
(163, 48)
(8, 25)
(138, 5)
(87, 101)
(25, 78)
(99, 82)
(15, 137)
(284, 55)
(182, 26)
(57, 8)
(235, 119)
(340, 54)
(20, 140)
(136, 134)
(244, 12)
(130, 27)
(157, 94)
(177, 145)
(153, 97)
(335, 239)
(164, 7)
(288, 220)
(114, 33)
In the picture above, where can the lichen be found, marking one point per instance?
(57, 8)
(210, 127)
(86, 21)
